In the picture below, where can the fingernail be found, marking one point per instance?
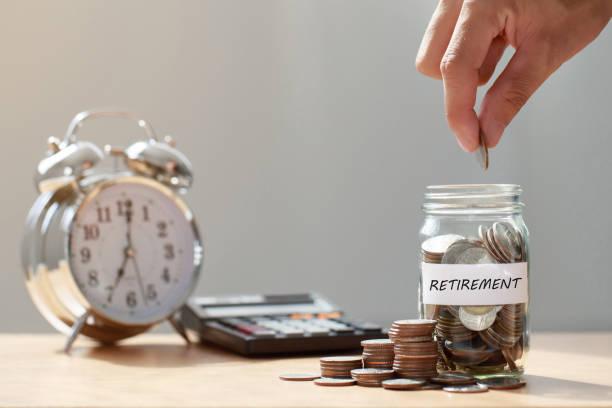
(465, 147)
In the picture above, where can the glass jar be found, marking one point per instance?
(474, 277)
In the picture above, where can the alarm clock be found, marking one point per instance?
(110, 252)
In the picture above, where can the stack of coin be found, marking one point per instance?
(416, 352)
(504, 242)
(450, 327)
(371, 377)
(339, 367)
(378, 353)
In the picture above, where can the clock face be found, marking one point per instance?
(134, 251)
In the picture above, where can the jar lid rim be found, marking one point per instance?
(473, 198)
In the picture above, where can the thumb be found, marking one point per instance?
(526, 71)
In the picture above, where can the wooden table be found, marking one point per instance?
(563, 370)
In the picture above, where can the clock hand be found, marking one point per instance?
(120, 273)
(128, 218)
(139, 279)
(128, 252)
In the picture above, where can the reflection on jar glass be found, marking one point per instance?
(474, 277)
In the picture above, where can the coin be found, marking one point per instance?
(482, 156)
(339, 366)
(377, 343)
(334, 382)
(506, 237)
(371, 377)
(430, 386)
(454, 378)
(467, 251)
(477, 322)
(378, 353)
(478, 310)
(503, 383)
(439, 244)
(468, 354)
(466, 389)
(402, 384)
(299, 377)
(475, 255)
(370, 372)
(341, 359)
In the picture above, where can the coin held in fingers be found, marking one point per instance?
(482, 155)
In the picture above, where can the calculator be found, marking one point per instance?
(275, 324)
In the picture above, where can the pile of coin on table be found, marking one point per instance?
(412, 353)
(479, 338)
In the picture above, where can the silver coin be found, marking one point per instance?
(299, 377)
(494, 248)
(371, 371)
(479, 310)
(477, 322)
(403, 384)
(334, 382)
(457, 248)
(439, 244)
(507, 240)
(482, 155)
(475, 255)
(482, 233)
(466, 389)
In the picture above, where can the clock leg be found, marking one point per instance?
(76, 329)
(179, 328)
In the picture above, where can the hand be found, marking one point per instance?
(466, 39)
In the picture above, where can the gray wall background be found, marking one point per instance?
(312, 137)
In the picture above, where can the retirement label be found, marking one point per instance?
(479, 284)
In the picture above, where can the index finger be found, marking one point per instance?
(478, 24)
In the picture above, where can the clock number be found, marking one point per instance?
(145, 213)
(85, 255)
(92, 278)
(162, 229)
(124, 207)
(130, 299)
(151, 292)
(166, 275)
(169, 251)
(104, 214)
(92, 232)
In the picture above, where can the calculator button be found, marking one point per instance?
(308, 327)
(335, 326)
(289, 332)
(264, 334)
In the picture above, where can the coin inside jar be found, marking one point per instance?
(477, 322)
(466, 251)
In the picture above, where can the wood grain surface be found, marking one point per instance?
(563, 370)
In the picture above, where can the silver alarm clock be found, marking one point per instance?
(111, 253)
